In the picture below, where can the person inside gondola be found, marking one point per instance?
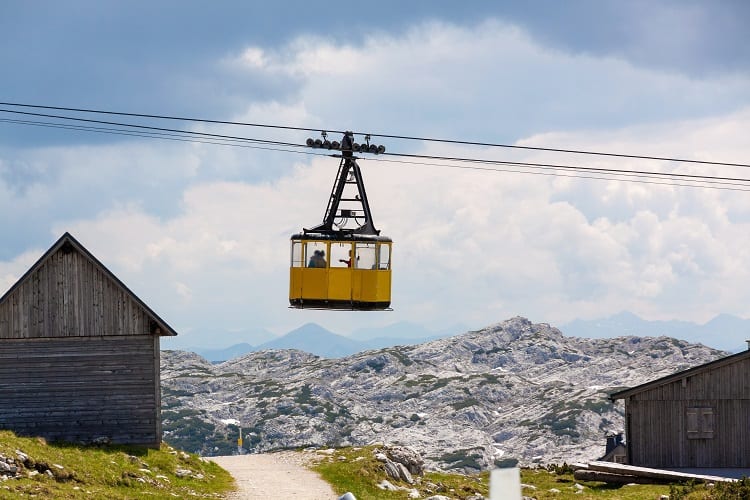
(348, 261)
(322, 259)
(317, 259)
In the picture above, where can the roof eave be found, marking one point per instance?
(679, 375)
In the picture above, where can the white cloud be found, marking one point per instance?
(183, 291)
(12, 270)
(253, 57)
(490, 80)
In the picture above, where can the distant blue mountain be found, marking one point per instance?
(725, 332)
(239, 342)
(216, 338)
(316, 340)
(216, 355)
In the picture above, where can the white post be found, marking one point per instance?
(505, 484)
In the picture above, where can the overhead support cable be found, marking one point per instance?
(165, 117)
(550, 169)
(164, 136)
(557, 166)
(386, 136)
(605, 174)
(624, 177)
(147, 127)
(569, 151)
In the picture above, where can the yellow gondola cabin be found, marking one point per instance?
(340, 274)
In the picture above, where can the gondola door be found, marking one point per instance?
(340, 271)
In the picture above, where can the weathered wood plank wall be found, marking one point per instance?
(70, 296)
(658, 422)
(79, 388)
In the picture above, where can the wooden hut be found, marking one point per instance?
(697, 418)
(79, 353)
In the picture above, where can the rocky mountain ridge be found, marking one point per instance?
(514, 391)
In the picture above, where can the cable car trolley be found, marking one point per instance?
(343, 263)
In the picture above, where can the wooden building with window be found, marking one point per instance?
(697, 418)
(79, 353)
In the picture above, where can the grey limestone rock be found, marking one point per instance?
(404, 473)
(392, 470)
(7, 468)
(408, 457)
(387, 485)
(512, 392)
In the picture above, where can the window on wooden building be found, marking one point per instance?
(700, 423)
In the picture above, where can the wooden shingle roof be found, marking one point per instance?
(713, 365)
(68, 243)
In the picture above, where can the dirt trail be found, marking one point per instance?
(275, 475)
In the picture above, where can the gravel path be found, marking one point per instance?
(275, 475)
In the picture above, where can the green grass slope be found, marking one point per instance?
(30, 467)
(356, 470)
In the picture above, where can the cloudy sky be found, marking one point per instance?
(201, 231)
